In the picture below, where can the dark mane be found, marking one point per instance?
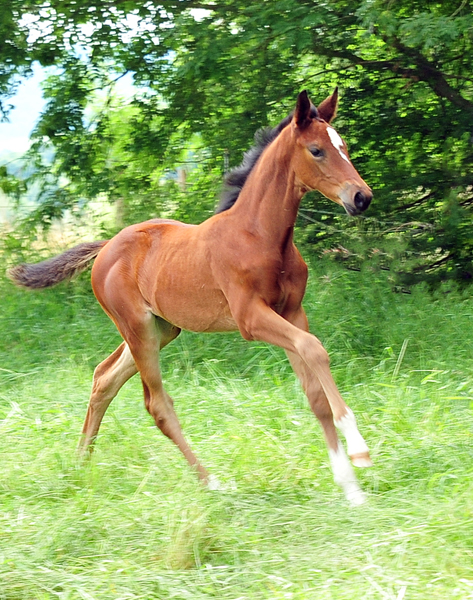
(235, 179)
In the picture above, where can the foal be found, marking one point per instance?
(239, 270)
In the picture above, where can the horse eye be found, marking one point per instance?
(317, 152)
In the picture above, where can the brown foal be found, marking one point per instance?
(239, 270)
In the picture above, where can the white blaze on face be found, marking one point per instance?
(337, 142)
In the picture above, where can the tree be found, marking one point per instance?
(221, 70)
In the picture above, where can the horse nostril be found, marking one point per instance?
(362, 201)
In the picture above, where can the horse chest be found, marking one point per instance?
(280, 281)
(283, 290)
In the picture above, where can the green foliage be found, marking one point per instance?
(11, 185)
(222, 72)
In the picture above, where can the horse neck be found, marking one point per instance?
(269, 201)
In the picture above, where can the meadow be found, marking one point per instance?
(133, 522)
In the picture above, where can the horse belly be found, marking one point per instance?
(193, 308)
(199, 318)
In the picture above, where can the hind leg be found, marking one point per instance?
(146, 337)
(160, 406)
(109, 377)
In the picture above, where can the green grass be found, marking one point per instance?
(133, 522)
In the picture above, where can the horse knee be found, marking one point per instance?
(312, 351)
(322, 355)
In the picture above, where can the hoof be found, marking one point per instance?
(356, 497)
(361, 460)
(213, 484)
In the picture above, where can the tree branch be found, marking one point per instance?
(415, 203)
(424, 70)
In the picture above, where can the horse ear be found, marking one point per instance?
(328, 108)
(304, 109)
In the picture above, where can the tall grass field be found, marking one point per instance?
(134, 523)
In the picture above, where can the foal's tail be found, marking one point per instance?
(54, 270)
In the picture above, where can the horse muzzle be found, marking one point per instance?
(356, 200)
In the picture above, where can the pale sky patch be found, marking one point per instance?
(28, 103)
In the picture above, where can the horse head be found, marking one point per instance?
(321, 160)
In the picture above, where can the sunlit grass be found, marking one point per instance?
(134, 523)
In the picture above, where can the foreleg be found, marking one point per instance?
(257, 321)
